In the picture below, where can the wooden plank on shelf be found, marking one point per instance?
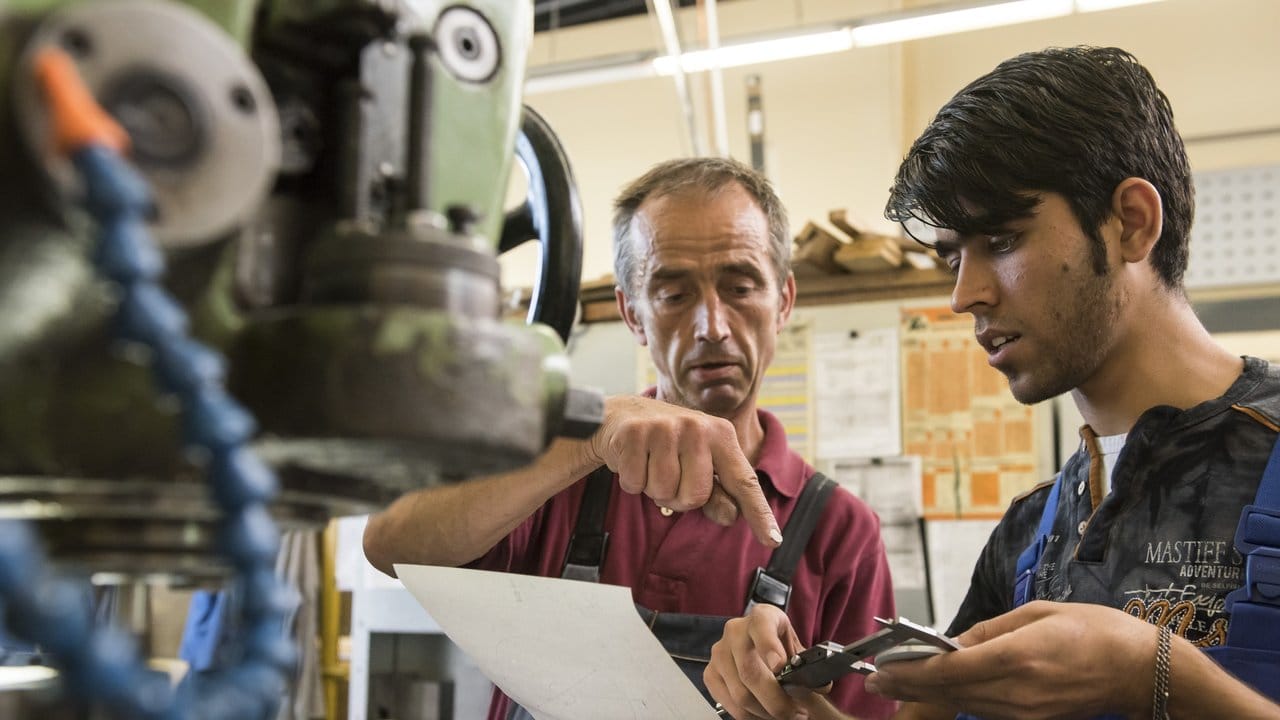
(870, 253)
(815, 250)
(844, 223)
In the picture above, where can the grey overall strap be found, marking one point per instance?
(589, 541)
(772, 585)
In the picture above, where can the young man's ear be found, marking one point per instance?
(630, 315)
(1136, 203)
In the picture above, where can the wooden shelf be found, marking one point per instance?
(598, 304)
(866, 287)
(598, 301)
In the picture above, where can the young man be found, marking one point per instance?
(702, 254)
(1058, 191)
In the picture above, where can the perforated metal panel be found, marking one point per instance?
(1236, 236)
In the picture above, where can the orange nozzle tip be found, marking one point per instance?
(77, 118)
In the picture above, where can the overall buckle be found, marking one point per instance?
(765, 588)
(1259, 528)
(1261, 579)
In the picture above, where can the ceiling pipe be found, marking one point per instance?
(667, 25)
(719, 126)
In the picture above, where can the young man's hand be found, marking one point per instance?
(1042, 660)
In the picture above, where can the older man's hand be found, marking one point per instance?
(684, 460)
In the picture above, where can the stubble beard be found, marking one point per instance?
(1081, 336)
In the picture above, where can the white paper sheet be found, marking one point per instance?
(857, 406)
(565, 650)
(891, 486)
(954, 547)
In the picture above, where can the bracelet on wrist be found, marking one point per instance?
(1160, 690)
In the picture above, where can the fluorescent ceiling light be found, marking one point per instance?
(1092, 5)
(959, 20)
(761, 51)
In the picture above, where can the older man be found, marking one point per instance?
(702, 260)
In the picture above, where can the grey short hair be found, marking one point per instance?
(703, 174)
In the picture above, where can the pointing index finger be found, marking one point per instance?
(739, 481)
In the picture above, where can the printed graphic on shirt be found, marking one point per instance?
(1193, 604)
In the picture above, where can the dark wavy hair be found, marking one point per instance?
(1073, 121)
(705, 175)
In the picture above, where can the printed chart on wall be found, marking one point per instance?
(786, 390)
(977, 443)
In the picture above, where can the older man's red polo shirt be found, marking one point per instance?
(686, 563)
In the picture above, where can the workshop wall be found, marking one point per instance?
(1215, 60)
(837, 125)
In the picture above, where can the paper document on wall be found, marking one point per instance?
(563, 649)
(858, 411)
(891, 487)
(954, 547)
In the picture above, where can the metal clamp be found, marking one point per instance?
(823, 663)
(826, 662)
